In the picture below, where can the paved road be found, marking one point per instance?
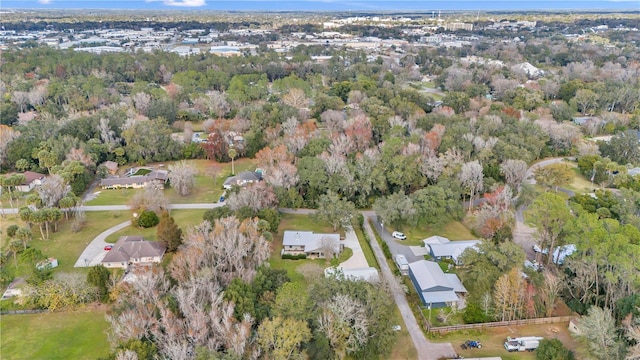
(94, 252)
(426, 350)
(126, 207)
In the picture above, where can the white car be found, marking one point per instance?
(398, 235)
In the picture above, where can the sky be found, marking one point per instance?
(324, 5)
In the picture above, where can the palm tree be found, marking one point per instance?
(232, 154)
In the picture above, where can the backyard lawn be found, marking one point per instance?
(453, 230)
(60, 335)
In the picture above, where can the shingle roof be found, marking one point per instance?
(154, 175)
(309, 240)
(31, 176)
(135, 247)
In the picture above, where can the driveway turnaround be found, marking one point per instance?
(95, 252)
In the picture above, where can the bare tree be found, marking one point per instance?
(598, 327)
(296, 98)
(514, 171)
(631, 326)
(142, 101)
(334, 120)
(217, 102)
(550, 291)
(182, 176)
(21, 98)
(150, 199)
(230, 248)
(52, 190)
(344, 322)
(256, 196)
(472, 179)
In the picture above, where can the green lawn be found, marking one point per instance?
(208, 184)
(66, 246)
(453, 230)
(63, 335)
(184, 219)
(296, 222)
(580, 183)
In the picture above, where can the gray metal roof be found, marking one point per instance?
(443, 247)
(429, 275)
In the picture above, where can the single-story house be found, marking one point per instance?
(32, 179)
(157, 178)
(369, 274)
(129, 250)
(435, 288)
(242, 179)
(111, 166)
(441, 248)
(313, 245)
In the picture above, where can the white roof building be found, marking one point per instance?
(441, 248)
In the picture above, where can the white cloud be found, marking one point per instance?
(44, 2)
(186, 3)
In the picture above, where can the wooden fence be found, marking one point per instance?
(537, 321)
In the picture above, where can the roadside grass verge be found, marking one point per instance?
(366, 247)
(60, 335)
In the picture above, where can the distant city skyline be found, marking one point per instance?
(323, 5)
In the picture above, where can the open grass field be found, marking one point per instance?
(580, 183)
(453, 230)
(493, 339)
(61, 335)
(184, 219)
(403, 348)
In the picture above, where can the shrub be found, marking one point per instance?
(294, 257)
(148, 219)
(473, 314)
(553, 349)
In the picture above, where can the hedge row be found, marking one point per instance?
(294, 257)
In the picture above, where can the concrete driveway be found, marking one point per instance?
(357, 260)
(95, 252)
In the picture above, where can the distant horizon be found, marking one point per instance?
(324, 5)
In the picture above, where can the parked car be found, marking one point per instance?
(108, 247)
(398, 235)
(221, 199)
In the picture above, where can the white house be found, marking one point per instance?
(441, 248)
(32, 179)
(133, 250)
(435, 288)
(313, 245)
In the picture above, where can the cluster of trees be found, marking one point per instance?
(218, 298)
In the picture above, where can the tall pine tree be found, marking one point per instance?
(169, 233)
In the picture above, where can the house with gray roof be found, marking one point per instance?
(157, 178)
(435, 288)
(242, 179)
(441, 248)
(131, 250)
(315, 246)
